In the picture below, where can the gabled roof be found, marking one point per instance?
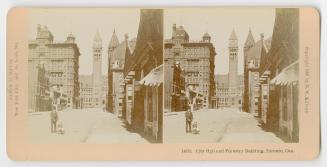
(249, 40)
(259, 50)
(114, 42)
(255, 51)
(149, 39)
(119, 53)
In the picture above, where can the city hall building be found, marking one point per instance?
(224, 96)
(229, 87)
(94, 87)
(86, 91)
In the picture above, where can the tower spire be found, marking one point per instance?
(233, 41)
(249, 40)
(114, 40)
(97, 36)
(233, 35)
(233, 61)
(97, 41)
(96, 75)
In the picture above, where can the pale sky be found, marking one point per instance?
(83, 23)
(219, 23)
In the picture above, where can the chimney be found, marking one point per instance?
(174, 27)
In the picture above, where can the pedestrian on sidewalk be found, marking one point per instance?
(189, 119)
(54, 119)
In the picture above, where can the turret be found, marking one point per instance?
(206, 37)
(43, 35)
(70, 38)
(179, 34)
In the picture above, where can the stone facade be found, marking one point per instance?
(230, 87)
(116, 61)
(279, 73)
(38, 89)
(234, 92)
(176, 99)
(143, 77)
(97, 90)
(197, 60)
(253, 51)
(94, 87)
(60, 60)
(86, 87)
(226, 97)
(86, 91)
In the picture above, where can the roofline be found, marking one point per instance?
(74, 45)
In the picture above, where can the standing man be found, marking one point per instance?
(189, 119)
(54, 119)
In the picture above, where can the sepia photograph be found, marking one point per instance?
(231, 76)
(166, 83)
(95, 75)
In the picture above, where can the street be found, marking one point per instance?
(95, 126)
(81, 126)
(226, 125)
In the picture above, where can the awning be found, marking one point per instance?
(154, 78)
(131, 73)
(289, 75)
